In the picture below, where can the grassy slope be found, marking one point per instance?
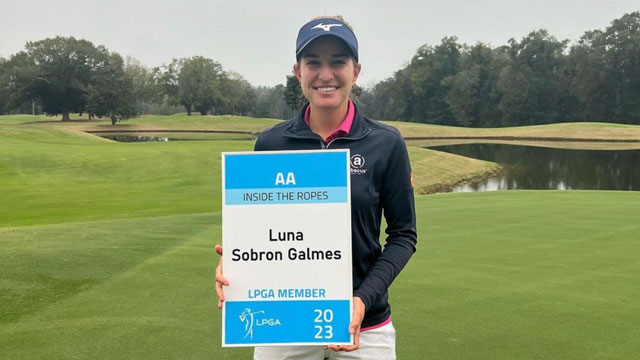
(436, 171)
(65, 175)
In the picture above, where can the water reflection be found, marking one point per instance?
(527, 167)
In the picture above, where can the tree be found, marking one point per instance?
(194, 83)
(145, 87)
(472, 95)
(270, 103)
(293, 95)
(59, 72)
(4, 85)
(19, 73)
(428, 68)
(529, 85)
(390, 99)
(110, 91)
(239, 96)
(607, 71)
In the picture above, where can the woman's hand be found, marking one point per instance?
(220, 280)
(354, 327)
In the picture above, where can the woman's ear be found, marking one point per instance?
(296, 70)
(356, 71)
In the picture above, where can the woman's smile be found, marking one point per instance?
(326, 88)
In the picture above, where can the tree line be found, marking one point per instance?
(536, 80)
(64, 75)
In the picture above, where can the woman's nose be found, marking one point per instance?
(326, 74)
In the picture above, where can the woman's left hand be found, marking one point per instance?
(354, 327)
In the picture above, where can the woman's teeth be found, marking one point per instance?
(327, 88)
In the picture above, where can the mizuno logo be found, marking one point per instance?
(325, 27)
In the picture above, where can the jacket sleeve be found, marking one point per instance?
(259, 145)
(396, 197)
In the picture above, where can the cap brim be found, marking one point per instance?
(346, 43)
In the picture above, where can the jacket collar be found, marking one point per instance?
(299, 129)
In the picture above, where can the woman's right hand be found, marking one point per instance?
(220, 280)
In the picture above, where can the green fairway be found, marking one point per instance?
(106, 252)
(510, 275)
(523, 275)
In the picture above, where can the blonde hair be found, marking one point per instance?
(334, 17)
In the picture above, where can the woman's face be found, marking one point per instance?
(326, 72)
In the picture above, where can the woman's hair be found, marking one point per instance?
(334, 17)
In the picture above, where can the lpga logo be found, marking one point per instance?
(249, 318)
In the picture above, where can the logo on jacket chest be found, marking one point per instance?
(357, 165)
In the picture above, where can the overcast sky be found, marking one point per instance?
(257, 38)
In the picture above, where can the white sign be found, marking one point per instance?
(286, 235)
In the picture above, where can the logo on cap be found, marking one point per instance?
(325, 27)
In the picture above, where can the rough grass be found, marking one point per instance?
(148, 122)
(579, 130)
(576, 145)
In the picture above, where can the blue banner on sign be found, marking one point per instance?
(286, 196)
(307, 321)
(261, 171)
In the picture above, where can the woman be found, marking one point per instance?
(327, 67)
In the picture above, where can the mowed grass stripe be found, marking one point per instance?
(160, 307)
(42, 265)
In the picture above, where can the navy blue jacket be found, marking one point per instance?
(380, 183)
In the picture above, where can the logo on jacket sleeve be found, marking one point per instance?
(357, 163)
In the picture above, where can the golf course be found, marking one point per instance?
(107, 248)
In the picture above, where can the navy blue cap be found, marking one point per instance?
(321, 27)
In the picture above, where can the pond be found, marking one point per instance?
(529, 167)
(135, 138)
(193, 136)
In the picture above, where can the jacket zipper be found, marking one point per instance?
(324, 146)
(344, 138)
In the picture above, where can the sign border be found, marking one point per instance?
(350, 245)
